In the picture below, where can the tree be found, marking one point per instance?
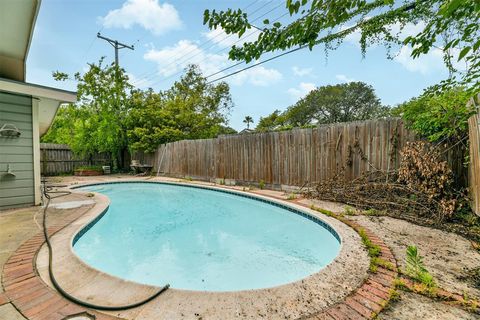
(110, 116)
(226, 130)
(96, 123)
(329, 104)
(274, 121)
(451, 25)
(441, 117)
(191, 109)
(248, 120)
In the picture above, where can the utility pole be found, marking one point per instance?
(117, 45)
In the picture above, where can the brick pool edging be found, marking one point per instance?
(367, 301)
(28, 293)
(32, 297)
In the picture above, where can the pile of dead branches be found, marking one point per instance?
(373, 190)
(421, 187)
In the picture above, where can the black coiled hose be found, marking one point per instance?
(47, 192)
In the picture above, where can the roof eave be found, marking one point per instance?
(32, 29)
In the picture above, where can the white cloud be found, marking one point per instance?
(352, 38)
(171, 60)
(344, 78)
(149, 14)
(258, 76)
(174, 59)
(301, 91)
(139, 82)
(301, 71)
(426, 63)
(409, 29)
(223, 40)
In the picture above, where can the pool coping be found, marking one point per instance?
(337, 271)
(336, 307)
(294, 208)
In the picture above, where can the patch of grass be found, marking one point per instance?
(261, 184)
(469, 218)
(384, 264)
(400, 284)
(222, 182)
(373, 212)
(349, 211)
(418, 288)
(188, 178)
(394, 295)
(373, 250)
(472, 305)
(292, 196)
(325, 212)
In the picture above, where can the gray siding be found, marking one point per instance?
(16, 152)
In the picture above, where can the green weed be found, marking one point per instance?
(416, 268)
(349, 211)
(261, 184)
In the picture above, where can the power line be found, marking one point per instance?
(206, 58)
(221, 50)
(84, 55)
(241, 62)
(175, 60)
(256, 64)
(231, 35)
(149, 74)
(406, 7)
(248, 6)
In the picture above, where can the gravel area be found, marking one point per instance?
(447, 256)
(414, 306)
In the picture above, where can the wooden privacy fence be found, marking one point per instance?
(474, 139)
(289, 158)
(58, 159)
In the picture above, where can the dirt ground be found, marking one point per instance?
(413, 306)
(447, 256)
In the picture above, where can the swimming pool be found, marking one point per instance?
(201, 239)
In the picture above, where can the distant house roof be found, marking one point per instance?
(246, 131)
(17, 22)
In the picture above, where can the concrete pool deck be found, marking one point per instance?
(341, 288)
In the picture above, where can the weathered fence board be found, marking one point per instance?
(291, 158)
(56, 159)
(474, 174)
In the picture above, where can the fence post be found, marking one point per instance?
(474, 142)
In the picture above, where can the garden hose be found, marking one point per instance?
(47, 193)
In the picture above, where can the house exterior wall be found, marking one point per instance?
(18, 152)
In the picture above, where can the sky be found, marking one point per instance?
(168, 36)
